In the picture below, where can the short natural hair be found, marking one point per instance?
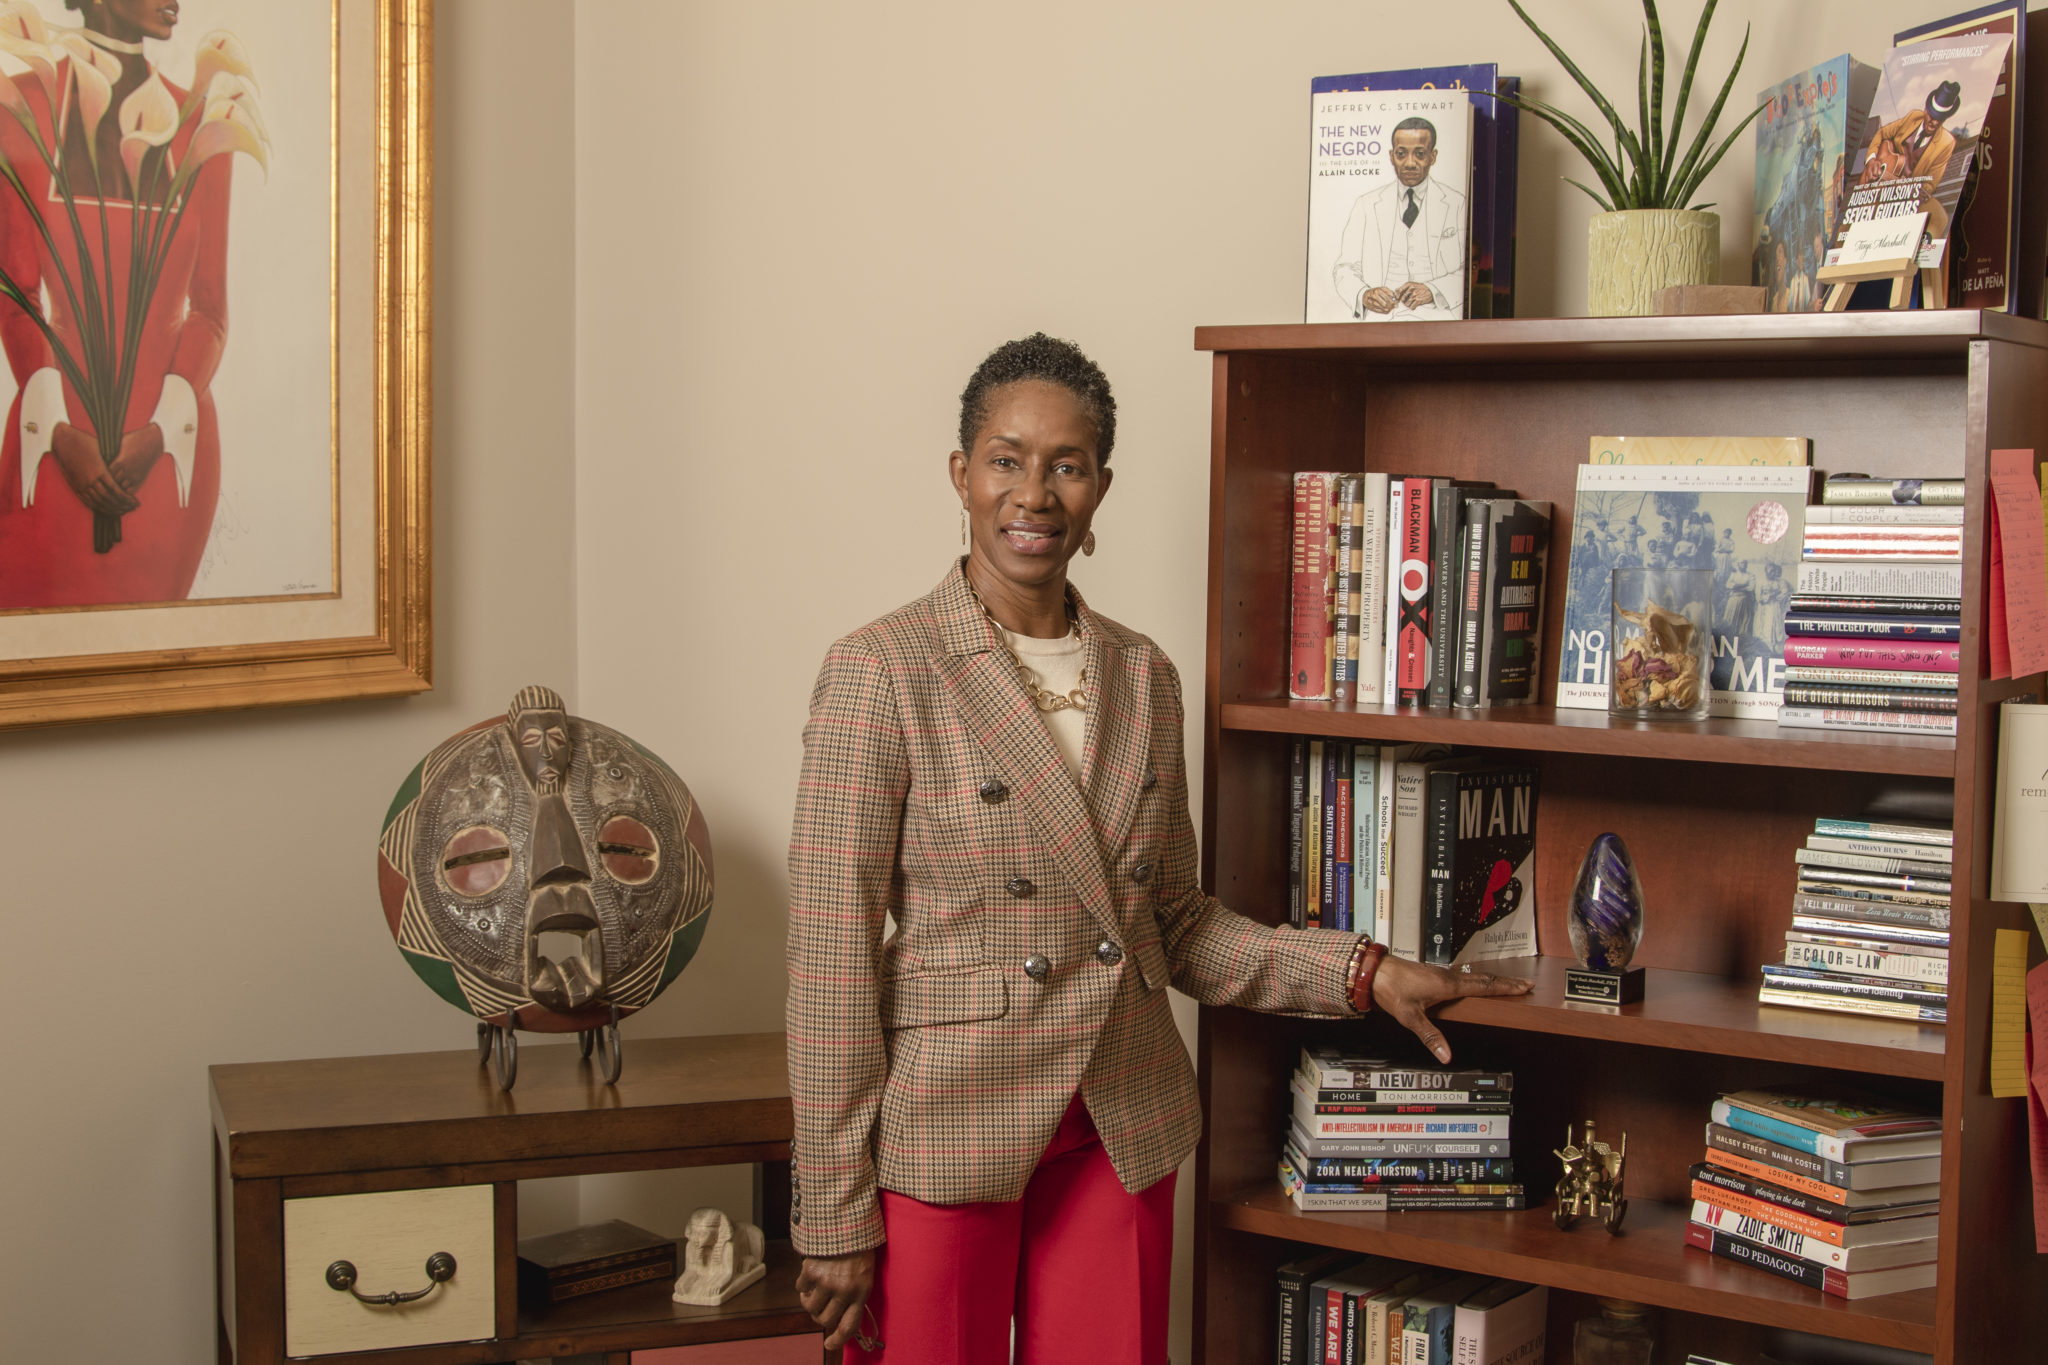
(1047, 360)
(1418, 125)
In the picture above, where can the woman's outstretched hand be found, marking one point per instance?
(833, 1290)
(1408, 990)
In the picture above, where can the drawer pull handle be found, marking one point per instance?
(440, 1270)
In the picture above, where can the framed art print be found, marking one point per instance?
(214, 265)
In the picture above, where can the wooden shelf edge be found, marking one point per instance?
(1750, 743)
(1589, 1261)
(1695, 1012)
(646, 1317)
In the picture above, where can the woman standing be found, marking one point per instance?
(990, 1105)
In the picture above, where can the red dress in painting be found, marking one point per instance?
(46, 533)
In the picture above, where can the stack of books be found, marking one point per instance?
(1873, 631)
(1464, 627)
(1431, 854)
(1869, 922)
(1336, 1309)
(1838, 1192)
(1371, 1136)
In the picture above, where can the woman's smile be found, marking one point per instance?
(1032, 537)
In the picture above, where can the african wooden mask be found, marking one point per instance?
(538, 869)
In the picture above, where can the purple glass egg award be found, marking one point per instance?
(1605, 922)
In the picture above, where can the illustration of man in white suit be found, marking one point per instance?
(1402, 255)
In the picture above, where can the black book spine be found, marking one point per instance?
(1762, 1257)
(1494, 1104)
(1297, 811)
(1444, 580)
(1472, 604)
(1870, 698)
(1931, 629)
(1327, 889)
(1440, 842)
(1882, 606)
(1351, 1344)
(1511, 637)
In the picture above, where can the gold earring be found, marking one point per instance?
(1088, 543)
(963, 526)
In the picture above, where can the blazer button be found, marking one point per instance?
(1037, 967)
(993, 790)
(1020, 887)
(1142, 873)
(1151, 780)
(1108, 954)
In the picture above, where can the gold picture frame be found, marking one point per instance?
(391, 587)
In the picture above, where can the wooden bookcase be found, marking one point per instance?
(1712, 812)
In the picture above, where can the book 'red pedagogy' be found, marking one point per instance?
(1744, 524)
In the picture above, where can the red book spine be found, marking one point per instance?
(1308, 654)
(1413, 584)
(1927, 658)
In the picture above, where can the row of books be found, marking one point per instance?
(1369, 1135)
(1870, 922)
(1431, 854)
(1415, 590)
(1872, 638)
(1337, 1308)
(1840, 1193)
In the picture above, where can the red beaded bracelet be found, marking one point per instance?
(1365, 965)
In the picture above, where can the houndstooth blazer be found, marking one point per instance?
(1038, 923)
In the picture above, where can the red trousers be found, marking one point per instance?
(1081, 1265)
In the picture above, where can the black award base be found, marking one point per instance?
(1584, 986)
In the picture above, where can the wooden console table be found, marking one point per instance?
(289, 1137)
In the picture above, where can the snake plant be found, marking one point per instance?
(1644, 170)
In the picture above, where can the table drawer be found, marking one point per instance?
(388, 1238)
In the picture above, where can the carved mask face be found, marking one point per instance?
(545, 868)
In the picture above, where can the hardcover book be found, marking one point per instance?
(1309, 634)
(1806, 136)
(1389, 216)
(1480, 888)
(1506, 639)
(1721, 450)
(1742, 523)
(1349, 538)
(1502, 1324)
(588, 1260)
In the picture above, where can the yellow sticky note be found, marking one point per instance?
(2009, 1015)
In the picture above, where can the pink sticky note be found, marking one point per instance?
(1995, 638)
(2019, 535)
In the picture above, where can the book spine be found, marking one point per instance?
(1444, 583)
(1864, 862)
(1776, 1215)
(1892, 492)
(1440, 838)
(1756, 1147)
(1862, 942)
(1473, 610)
(1333, 1328)
(1512, 648)
(1340, 833)
(1853, 514)
(1312, 851)
(1875, 533)
(1943, 854)
(1887, 722)
(1317, 1300)
(1413, 1127)
(1925, 629)
(1333, 1071)
(1288, 1319)
(1411, 796)
(1372, 590)
(1885, 606)
(1417, 1171)
(1850, 1004)
(1724, 1180)
(1309, 625)
(1359, 1095)
(1351, 1305)
(1777, 1130)
(1870, 698)
(1777, 1178)
(1879, 580)
(1383, 851)
(1898, 966)
(1891, 931)
(1873, 677)
(1344, 662)
(1297, 812)
(1835, 552)
(1876, 913)
(1375, 1201)
(1827, 981)
(1364, 855)
(1397, 507)
(1413, 592)
(1762, 1257)
(1326, 885)
(1780, 1239)
(1320, 1107)
(1919, 834)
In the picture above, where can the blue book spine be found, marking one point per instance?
(1761, 1125)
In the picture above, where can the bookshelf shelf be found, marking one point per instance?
(1649, 1263)
(1547, 728)
(1696, 1012)
(647, 1317)
(1711, 811)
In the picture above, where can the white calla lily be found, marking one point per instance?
(242, 91)
(26, 38)
(220, 52)
(227, 126)
(149, 119)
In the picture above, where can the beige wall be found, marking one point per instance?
(178, 893)
(794, 229)
(800, 226)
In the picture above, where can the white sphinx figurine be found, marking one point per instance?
(720, 1258)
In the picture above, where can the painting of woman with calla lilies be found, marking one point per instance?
(115, 185)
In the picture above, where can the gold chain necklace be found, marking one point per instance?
(1043, 699)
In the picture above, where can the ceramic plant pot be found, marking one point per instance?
(1632, 254)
